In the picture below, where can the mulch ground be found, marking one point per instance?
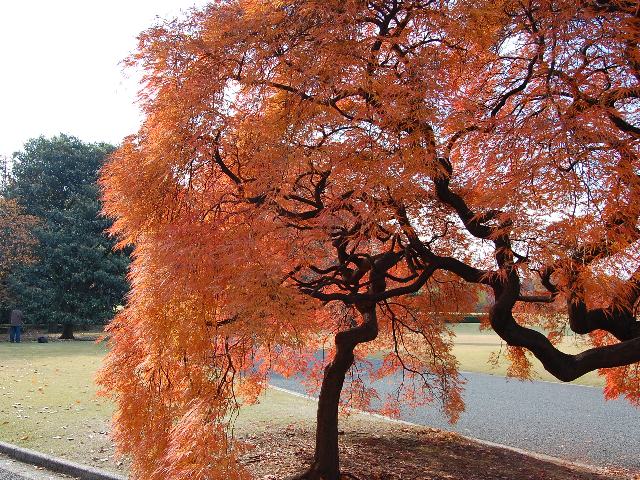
(408, 453)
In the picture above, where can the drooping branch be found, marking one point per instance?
(536, 298)
(507, 292)
(618, 318)
(514, 91)
(563, 366)
(349, 279)
(223, 166)
(620, 324)
(316, 201)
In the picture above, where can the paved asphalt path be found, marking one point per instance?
(11, 469)
(565, 421)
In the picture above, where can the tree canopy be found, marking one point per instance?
(354, 171)
(76, 278)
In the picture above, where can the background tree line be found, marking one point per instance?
(58, 264)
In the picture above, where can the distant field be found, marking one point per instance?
(473, 349)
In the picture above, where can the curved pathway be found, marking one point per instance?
(566, 421)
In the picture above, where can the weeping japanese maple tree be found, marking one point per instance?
(359, 170)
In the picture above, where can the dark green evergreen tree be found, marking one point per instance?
(77, 277)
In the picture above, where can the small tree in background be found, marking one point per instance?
(17, 242)
(355, 170)
(77, 278)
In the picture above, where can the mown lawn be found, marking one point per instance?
(474, 348)
(48, 399)
(48, 403)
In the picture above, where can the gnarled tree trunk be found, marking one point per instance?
(326, 462)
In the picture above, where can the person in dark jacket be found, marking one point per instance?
(16, 326)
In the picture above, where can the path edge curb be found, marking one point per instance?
(55, 464)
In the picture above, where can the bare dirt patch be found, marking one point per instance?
(395, 452)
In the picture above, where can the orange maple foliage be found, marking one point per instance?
(16, 239)
(358, 170)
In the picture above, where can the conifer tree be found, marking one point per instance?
(76, 277)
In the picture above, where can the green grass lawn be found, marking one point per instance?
(48, 397)
(473, 349)
(48, 400)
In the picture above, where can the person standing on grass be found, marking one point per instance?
(16, 326)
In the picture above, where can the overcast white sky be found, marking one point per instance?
(59, 67)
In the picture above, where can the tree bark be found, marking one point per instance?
(326, 462)
(67, 332)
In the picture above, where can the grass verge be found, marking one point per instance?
(48, 403)
(48, 400)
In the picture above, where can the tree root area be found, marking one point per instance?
(406, 453)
